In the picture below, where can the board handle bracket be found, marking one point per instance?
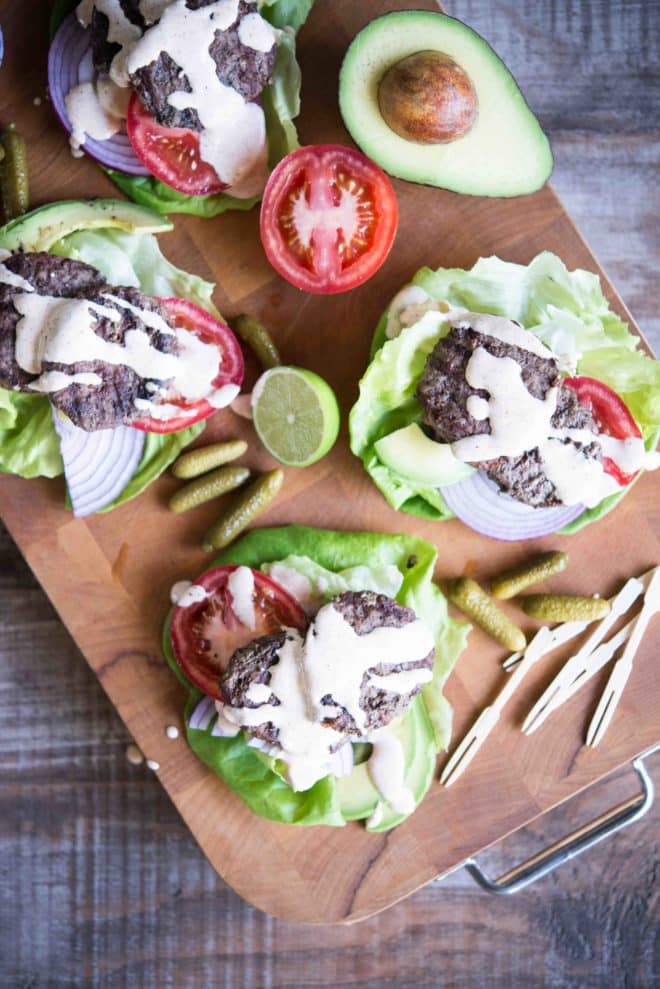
(575, 843)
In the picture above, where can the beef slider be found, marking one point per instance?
(244, 69)
(443, 392)
(91, 407)
(112, 403)
(48, 274)
(365, 611)
(103, 51)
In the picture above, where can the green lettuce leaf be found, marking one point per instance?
(28, 443)
(565, 309)
(326, 584)
(315, 553)
(286, 13)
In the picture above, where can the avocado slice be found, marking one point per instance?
(358, 797)
(410, 453)
(44, 226)
(467, 126)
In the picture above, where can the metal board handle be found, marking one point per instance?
(573, 844)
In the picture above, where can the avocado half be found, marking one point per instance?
(44, 226)
(467, 126)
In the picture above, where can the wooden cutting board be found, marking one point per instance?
(109, 576)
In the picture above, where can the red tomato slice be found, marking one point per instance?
(206, 634)
(230, 365)
(612, 417)
(170, 153)
(328, 218)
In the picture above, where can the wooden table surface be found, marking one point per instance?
(100, 882)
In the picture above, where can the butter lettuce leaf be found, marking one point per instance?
(314, 553)
(565, 309)
(29, 445)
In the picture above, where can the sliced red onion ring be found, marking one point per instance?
(99, 465)
(70, 63)
(2, 46)
(203, 714)
(478, 502)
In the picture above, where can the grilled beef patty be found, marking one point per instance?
(443, 392)
(364, 611)
(91, 407)
(244, 69)
(103, 51)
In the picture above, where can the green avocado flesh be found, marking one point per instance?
(505, 153)
(410, 453)
(358, 796)
(45, 226)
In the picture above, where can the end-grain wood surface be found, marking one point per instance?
(103, 886)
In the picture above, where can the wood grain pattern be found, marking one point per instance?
(146, 666)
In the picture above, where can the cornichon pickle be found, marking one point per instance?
(473, 601)
(248, 505)
(205, 458)
(512, 582)
(14, 174)
(564, 607)
(202, 489)
(259, 339)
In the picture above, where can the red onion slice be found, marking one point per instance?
(99, 465)
(2, 46)
(70, 63)
(478, 502)
(203, 714)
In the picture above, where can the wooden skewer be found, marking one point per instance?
(476, 736)
(599, 658)
(620, 603)
(559, 635)
(623, 667)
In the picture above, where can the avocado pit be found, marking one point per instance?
(427, 98)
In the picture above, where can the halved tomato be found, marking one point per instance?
(612, 417)
(205, 634)
(230, 365)
(172, 154)
(328, 218)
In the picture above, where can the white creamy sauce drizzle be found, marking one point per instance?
(184, 593)
(89, 117)
(151, 319)
(518, 421)
(333, 659)
(233, 137)
(120, 32)
(60, 330)
(8, 277)
(336, 659)
(505, 330)
(516, 418)
(377, 816)
(241, 587)
(386, 767)
(220, 398)
(256, 33)
(51, 381)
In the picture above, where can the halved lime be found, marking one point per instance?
(295, 414)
